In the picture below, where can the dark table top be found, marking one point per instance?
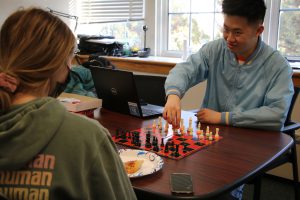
(222, 166)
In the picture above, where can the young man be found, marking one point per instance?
(248, 83)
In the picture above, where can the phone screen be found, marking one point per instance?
(181, 183)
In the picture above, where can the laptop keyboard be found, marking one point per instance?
(150, 112)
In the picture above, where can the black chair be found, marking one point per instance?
(290, 128)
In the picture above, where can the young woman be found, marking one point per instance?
(45, 151)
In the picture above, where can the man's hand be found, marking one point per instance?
(172, 111)
(209, 116)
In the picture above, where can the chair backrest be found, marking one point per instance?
(293, 102)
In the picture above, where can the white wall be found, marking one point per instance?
(9, 6)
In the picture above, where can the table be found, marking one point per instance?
(236, 158)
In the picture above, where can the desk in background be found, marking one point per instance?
(157, 65)
(237, 157)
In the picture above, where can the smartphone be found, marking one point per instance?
(181, 183)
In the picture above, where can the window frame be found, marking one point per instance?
(161, 28)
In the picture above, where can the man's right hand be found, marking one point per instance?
(172, 111)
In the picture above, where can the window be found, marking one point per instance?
(123, 19)
(197, 21)
(289, 30)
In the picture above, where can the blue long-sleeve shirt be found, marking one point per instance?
(256, 94)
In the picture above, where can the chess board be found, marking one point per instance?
(171, 144)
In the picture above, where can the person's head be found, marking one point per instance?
(36, 49)
(243, 23)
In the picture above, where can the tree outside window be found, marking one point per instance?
(289, 28)
(200, 21)
(197, 21)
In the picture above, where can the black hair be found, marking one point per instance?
(253, 10)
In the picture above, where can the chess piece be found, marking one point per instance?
(166, 127)
(154, 124)
(162, 142)
(199, 129)
(167, 148)
(201, 136)
(217, 134)
(190, 128)
(177, 151)
(207, 131)
(159, 123)
(210, 138)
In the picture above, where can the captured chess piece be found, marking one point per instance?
(145, 52)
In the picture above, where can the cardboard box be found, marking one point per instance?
(79, 103)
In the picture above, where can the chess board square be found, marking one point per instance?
(185, 143)
(199, 144)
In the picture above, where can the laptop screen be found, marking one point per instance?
(117, 90)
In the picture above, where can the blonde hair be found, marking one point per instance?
(34, 44)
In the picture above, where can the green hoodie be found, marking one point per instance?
(49, 153)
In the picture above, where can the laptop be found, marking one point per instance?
(118, 92)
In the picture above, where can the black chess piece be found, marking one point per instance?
(154, 141)
(162, 142)
(129, 135)
(117, 134)
(148, 144)
(123, 135)
(172, 146)
(176, 154)
(155, 148)
(167, 148)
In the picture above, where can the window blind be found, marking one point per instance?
(101, 11)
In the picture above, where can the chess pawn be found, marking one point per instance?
(166, 127)
(182, 130)
(217, 134)
(198, 129)
(154, 124)
(181, 123)
(210, 138)
(190, 129)
(159, 119)
(207, 131)
(175, 131)
(159, 123)
(201, 136)
(160, 126)
(191, 132)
